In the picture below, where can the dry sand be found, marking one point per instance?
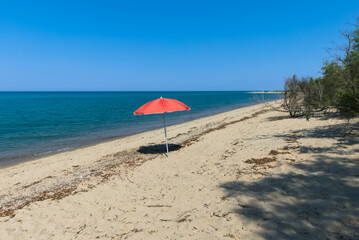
(250, 173)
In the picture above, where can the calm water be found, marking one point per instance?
(36, 123)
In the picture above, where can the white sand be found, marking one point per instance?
(205, 190)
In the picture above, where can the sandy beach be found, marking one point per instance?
(250, 173)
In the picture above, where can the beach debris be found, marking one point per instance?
(260, 161)
(258, 168)
(152, 232)
(128, 234)
(223, 198)
(228, 153)
(184, 218)
(67, 183)
(290, 147)
(207, 129)
(181, 218)
(273, 152)
(216, 229)
(159, 205)
(59, 187)
(7, 212)
(230, 235)
(223, 215)
(81, 228)
(36, 182)
(277, 118)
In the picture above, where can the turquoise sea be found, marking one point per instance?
(38, 123)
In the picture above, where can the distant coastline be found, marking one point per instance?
(104, 116)
(267, 92)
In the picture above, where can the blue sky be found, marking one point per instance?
(165, 45)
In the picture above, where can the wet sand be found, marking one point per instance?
(250, 173)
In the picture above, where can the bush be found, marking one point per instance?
(338, 87)
(303, 97)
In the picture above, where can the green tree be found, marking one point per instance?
(347, 101)
(303, 97)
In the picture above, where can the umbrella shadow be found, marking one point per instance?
(158, 148)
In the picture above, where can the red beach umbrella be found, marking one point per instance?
(162, 105)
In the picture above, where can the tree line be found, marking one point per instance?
(337, 88)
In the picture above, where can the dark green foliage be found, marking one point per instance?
(347, 101)
(332, 80)
(347, 105)
(338, 87)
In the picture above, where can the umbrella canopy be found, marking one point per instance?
(162, 105)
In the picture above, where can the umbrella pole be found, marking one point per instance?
(164, 124)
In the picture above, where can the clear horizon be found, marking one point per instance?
(166, 46)
(21, 91)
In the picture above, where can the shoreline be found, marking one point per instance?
(279, 92)
(31, 157)
(223, 178)
(104, 153)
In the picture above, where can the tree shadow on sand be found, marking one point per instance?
(319, 201)
(158, 148)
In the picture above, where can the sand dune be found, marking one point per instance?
(250, 173)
